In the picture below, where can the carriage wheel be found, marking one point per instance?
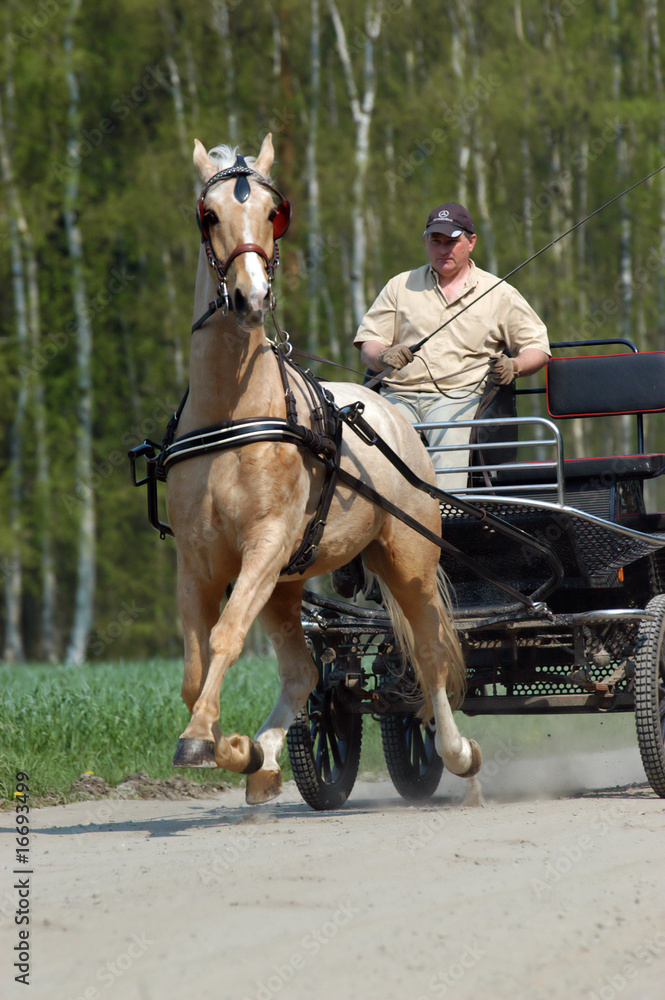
(324, 745)
(414, 766)
(650, 694)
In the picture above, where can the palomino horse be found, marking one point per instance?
(240, 514)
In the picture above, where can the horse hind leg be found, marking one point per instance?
(424, 628)
(298, 675)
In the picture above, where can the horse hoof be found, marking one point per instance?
(262, 786)
(194, 753)
(236, 750)
(255, 758)
(476, 760)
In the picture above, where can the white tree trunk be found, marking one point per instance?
(314, 239)
(362, 118)
(220, 21)
(655, 53)
(13, 561)
(85, 506)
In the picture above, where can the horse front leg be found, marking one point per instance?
(202, 743)
(199, 610)
(282, 622)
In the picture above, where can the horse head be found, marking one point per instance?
(240, 224)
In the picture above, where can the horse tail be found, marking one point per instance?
(452, 650)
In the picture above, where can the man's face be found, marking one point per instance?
(449, 256)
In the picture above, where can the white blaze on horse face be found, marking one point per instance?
(256, 270)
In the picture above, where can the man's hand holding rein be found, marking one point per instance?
(396, 356)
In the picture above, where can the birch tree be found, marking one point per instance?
(13, 561)
(362, 108)
(85, 504)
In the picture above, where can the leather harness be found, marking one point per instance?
(323, 442)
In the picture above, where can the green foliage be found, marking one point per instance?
(549, 116)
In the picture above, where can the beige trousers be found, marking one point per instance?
(432, 407)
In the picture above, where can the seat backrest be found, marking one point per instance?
(602, 385)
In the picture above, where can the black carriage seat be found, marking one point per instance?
(600, 386)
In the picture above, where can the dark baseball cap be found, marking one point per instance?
(450, 219)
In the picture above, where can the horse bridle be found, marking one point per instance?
(281, 217)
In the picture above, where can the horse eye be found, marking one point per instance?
(210, 217)
(272, 215)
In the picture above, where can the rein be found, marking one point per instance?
(323, 442)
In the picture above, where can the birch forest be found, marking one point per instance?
(533, 114)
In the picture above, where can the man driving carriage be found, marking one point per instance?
(475, 317)
(469, 318)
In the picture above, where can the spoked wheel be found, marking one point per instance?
(650, 694)
(324, 745)
(414, 766)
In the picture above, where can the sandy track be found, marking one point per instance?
(520, 900)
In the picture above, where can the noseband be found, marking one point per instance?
(280, 222)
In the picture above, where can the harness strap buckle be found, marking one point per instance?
(352, 415)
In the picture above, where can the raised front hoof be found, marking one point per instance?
(194, 753)
(476, 760)
(262, 786)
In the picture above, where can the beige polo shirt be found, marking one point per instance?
(412, 305)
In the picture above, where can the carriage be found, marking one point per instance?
(538, 588)
(581, 629)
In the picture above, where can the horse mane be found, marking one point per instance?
(225, 156)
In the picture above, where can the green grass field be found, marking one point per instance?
(114, 719)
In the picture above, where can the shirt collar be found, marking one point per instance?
(469, 284)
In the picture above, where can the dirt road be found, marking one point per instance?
(543, 897)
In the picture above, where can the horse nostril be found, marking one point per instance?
(239, 302)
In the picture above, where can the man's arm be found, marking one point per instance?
(369, 354)
(531, 360)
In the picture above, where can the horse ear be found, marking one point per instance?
(266, 156)
(202, 162)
